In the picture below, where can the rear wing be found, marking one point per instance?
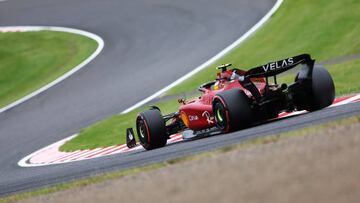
(274, 68)
(277, 67)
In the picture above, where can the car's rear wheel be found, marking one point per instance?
(151, 129)
(321, 92)
(232, 110)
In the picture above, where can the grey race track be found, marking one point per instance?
(148, 44)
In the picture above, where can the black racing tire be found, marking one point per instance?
(151, 129)
(232, 110)
(322, 89)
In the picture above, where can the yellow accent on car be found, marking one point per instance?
(185, 119)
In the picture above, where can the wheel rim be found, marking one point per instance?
(142, 132)
(220, 115)
(142, 129)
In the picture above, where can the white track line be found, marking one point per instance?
(95, 37)
(351, 99)
(23, 161)
(106, 150)
(210, 61)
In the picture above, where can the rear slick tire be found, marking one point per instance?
(232, 110)
(151, 129)
(323, 89)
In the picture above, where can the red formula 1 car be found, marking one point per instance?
(236, 99)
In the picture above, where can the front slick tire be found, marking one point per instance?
(232, 110)
(151, 129)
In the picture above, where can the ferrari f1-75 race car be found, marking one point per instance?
(237, 99)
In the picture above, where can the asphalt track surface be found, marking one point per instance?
(148, 44)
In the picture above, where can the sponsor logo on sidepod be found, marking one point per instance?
(193, 118)
(209, 119)
(278, 64)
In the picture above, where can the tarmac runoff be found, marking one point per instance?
(51, 155)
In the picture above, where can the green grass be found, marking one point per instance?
(134, 171)
(30, 60)
(321, 28)
(346, 77)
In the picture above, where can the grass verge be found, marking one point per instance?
(30, 60)
(242, 146)
(324, 30)
(321, 28)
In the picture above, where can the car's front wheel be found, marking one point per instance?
(151, 129)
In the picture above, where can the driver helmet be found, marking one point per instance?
(216, 85)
